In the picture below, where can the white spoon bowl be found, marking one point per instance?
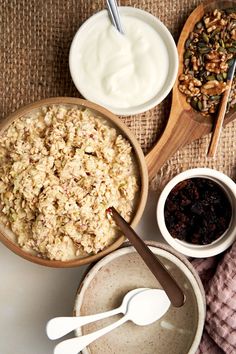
(60, 326)
(143, 309)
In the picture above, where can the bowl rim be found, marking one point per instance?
(103, 112)
(224, 241)
(186, 267)
(174, 60)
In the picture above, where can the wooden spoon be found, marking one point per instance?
(184, 124)
(221, 113)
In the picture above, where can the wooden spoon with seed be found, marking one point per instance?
(184, 124)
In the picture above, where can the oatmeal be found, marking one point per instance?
(60, 169)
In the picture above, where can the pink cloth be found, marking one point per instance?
(219, 279)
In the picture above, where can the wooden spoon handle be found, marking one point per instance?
(167, 282)
(183, 127)
(180, 130)
(219, 122)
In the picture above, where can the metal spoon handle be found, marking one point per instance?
(60, 326)
(167, 282)
(114, 15)
(75, 345)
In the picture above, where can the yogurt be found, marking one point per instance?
(119, 71)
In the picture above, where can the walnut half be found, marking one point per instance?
(214, 87)
(189, 85)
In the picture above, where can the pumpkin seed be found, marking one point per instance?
(232, 50)
(187, 43)
(221, 49)
(199, 105)
(200, 59)
(204, 50)
(199, 25)
(215, 97)
(222, 43)
(230, 62)
(217, 30)
(202, 74)
(219, 77)
(210, 77)
(187, 54)
(186, 62)
(205, 37)
(224, 75)
(201, 44)
(194, 104)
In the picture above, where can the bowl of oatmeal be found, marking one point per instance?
(63, 162)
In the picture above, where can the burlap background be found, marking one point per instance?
(35, 37)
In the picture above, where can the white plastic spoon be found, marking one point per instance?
(143, 308)
(59, 326)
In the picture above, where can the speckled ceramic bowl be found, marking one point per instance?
(106, 283)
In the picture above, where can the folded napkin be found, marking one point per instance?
(218, 275)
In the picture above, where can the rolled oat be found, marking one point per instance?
(60, 169)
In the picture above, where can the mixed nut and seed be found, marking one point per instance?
(209, 52)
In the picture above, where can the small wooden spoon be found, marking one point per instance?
(184, 124)
(172, 289)
(221, 114)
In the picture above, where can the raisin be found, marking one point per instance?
(197, 211)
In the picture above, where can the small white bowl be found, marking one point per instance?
(223, 242)
(153, 22)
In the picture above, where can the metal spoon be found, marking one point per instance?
(143, 308)
(112, 8)
(60, 326)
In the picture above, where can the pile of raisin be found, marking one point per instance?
(197, 211)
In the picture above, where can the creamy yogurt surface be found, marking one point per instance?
(121, 71)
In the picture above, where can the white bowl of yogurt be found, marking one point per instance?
(128, 74)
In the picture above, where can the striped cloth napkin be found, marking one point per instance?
(219, 280)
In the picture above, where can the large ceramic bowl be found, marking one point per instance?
(6, 236)
(106, 283)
